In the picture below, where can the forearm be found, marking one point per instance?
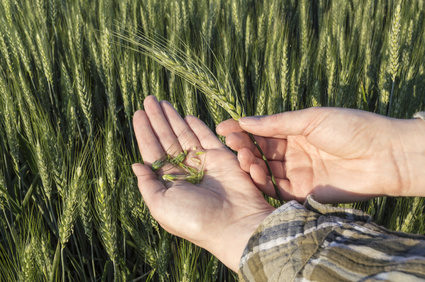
(323, 243)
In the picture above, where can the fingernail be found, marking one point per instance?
(133, 166)
(250, 121)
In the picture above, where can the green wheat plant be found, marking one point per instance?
(72, 73)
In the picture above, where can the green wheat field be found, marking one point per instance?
(72, 73)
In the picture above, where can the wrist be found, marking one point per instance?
(412, 157)
(229, 246)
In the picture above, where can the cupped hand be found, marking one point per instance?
(222, 211)
(339, 155)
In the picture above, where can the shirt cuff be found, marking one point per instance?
(319, 242)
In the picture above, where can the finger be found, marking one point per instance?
(281, 125)
(246, 158)
(259, 177)
(160, 125)
(205, 136)
(149, 147)
(264, 183)
(150, 187)
(228, 126)
(273, 148)
(182, 130)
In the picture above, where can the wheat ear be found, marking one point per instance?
(198, 75)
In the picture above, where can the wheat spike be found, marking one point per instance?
(26, 93)
(135, 72)
(192, 72)
(394, 44)
(9, 31)
(23, 54)
(28, 264)
(33, 48)
(331, 72)
(40, 9)
(85, 211)
(53, 11)
(171, 90)
(70, 204)
(56, 158)
(7, 6)
(304, 28)
(410, 219)
(384, 94)
(261, 103)
(242, 82)
(270, 69)
(85, 99)
(110, 157)
(5, 52)
(3, 190)
(284, 70)
(43, 254)
(236, 11)
(43, 169)
(106, 219)
(248, 36)
(45, 58)
(189, 99)
(10, 121)
(108, 67)
(315, 98)
(294, 90)
(126, 96)
(408, 46)
(367, 68)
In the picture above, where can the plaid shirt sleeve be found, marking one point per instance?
(315, 242)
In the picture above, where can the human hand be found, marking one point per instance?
(223, 210)
(339, 155)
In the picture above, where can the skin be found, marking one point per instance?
(336, 154)
(339, 155)
(218, 214)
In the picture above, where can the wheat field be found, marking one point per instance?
(72, 73)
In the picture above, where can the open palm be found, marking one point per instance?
(339, 155)
(219, 213)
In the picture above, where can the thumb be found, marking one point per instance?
(281, 125)
(150, 187)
